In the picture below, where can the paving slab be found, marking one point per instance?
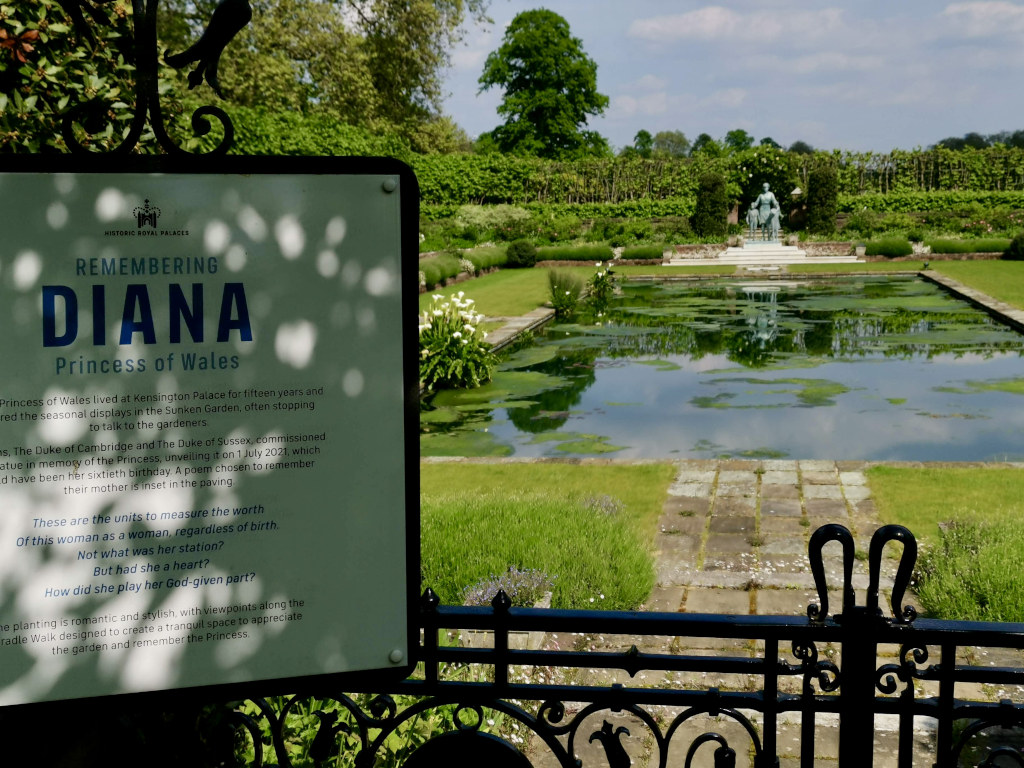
(780, 492)
(781, 508)
(853, 478)
(734, 506)
(733, 524)
(830, 509)
(832, 491)
(816, 465)
(819, 477)
(793, 524)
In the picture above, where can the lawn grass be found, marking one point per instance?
(505, 293)
(922, 498)
(971, 569)
(999, 279)
(514, 292)
(480, 519)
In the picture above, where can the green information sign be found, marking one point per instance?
(208, 461)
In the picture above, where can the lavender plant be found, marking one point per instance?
(523, 586)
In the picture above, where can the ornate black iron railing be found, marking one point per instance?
(796, 677)
(229, 17)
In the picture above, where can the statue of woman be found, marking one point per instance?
(764, 204)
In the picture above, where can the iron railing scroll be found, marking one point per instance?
(227, 20)
(502, 703)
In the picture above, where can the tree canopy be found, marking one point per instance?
(705, 144)
(374, 64)
(738, 139)
(550, 89)
(671, 144)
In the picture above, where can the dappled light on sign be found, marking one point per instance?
(26, 269)
(252, 224)
(173, 419)
(110, 205)
(327, 263)
(216, 237)
(295, 343)
(291, 238)
(57, 214)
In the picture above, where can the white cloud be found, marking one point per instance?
(650, 83)
(646, 104)
(828, 61)
(991, 18)
(718, 23)
(730, 98)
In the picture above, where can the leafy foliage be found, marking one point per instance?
(261, 131)
(521, 253)
(453, 353)
(822, 198)
(648, 252)
(575, 253)
(979, 245)
(565, 288)
(973, 573)
(1015, 251)
(670, 144)
(602, 285)
(550, 89)
(437, 269)
(889, 246)
(712, 206)
(49, 66)
(376, 64)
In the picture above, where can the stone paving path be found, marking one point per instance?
(733, 539)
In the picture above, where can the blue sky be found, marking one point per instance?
(864, 75)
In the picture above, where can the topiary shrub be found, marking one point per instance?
(521, 253)
(822, 198)
(712, 213)
(1015, 251)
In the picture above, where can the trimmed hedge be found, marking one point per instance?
(484, 259)
(437, 269)
(980, 245)
(889, 246)
(643, 252)
(575, 253)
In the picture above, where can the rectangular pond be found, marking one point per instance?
(885, 368)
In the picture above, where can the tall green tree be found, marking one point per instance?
(706, 145)
(376, 64)
(671, 144)
(550, 89)
(737, 140)
(644, 143)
